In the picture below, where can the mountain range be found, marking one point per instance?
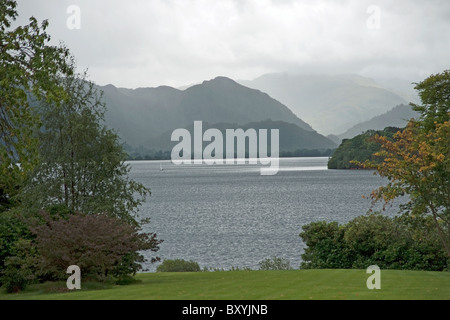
(396, 117)
(343, 105)
(145, 117)
(332, 104)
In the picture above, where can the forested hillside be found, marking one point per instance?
(359, 148)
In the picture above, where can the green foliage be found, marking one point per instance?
(28, 66)
(13, 227)
(14, 278)
(60, 156)
(359, 148)
(19, 270)
(82, 163)
(391, 243)
(275, 263)
(372, 239)
(178, 265)
(434, 93)
(325, 247)
(130, 263)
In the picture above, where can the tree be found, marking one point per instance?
(28, 66)
(417, 161)
(13, 227)
(56, 151)
(82, 164)
(102, 246)
(434, 93)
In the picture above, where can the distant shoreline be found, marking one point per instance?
(284, 154)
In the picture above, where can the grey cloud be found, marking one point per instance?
(148, 43)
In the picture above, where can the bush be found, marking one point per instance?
(102, 246)
(275, 263)
(19, 269)
(178, 265)
(325, 247)
(373, 240)
(14, 277)
(404, 242)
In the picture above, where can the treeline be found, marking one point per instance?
(307, 153)
(153, 155)
(359, 148)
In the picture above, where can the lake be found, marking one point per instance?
(225, 216)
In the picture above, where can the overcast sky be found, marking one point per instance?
(147, 43)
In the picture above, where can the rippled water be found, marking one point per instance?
(224, 216)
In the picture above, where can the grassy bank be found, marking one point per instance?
(257, 285)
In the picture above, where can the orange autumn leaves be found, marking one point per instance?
(414, 161)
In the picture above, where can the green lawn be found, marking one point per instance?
(258, 285)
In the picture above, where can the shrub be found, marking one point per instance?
(275, 263)
(19, 269)
(325, 247)
(391, 243)
(373, 240)
(178, 265)
(102, 246)
(233, 268)
(14, 277)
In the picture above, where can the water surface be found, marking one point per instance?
(224, 216)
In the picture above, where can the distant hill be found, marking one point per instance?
(331, 103)
(334, 138)
(142, 115)
(291, 137)
(397, 117)
(360, 148)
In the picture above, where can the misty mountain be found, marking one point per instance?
(404, 88)
(331, 103)
(396, 117)
(143, 114)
